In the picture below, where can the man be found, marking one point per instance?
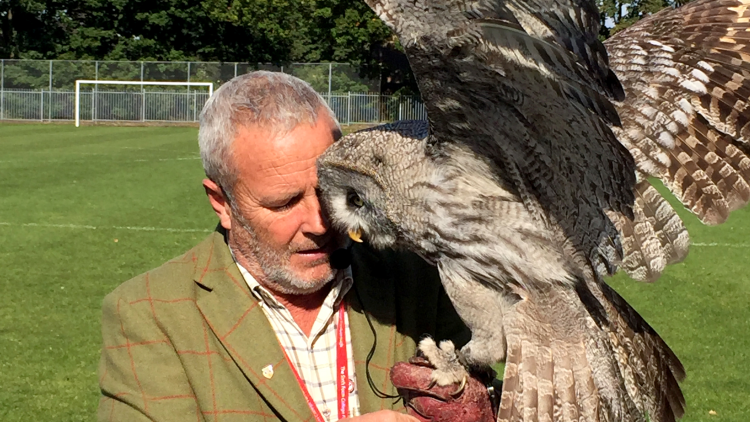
(246, 325)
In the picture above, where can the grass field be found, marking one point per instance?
(85, 209)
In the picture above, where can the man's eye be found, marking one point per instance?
(354, 199)
(282, 207)
(286, 205)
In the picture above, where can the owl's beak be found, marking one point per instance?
(356, 235)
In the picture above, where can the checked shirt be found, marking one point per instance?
(314, 357)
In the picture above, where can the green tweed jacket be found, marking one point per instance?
(187, 341)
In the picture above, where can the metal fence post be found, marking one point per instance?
(41, 105)
(348, 108)
(380, 106)
(94, 92)
(143, 97)
(330, 69)
(143, 103)
(188, 78)
(235, 69)
(49, 106)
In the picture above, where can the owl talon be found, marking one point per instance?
(448, 368)
(460, 388)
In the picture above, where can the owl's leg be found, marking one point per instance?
(481, 306)
(486, 348)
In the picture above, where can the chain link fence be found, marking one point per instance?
(43, 90)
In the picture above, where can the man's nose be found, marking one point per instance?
(316, 222)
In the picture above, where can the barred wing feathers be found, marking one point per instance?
(573, 24)
(481, 74)
(685, 120)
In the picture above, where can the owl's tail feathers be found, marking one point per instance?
(650, 369)
(583, 356)
(655, 238)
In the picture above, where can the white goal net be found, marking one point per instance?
(96, 100)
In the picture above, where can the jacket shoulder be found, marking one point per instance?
(170, 281)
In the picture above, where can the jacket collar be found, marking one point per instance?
(234, 314)
(237, 320)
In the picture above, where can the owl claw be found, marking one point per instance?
(460, 388)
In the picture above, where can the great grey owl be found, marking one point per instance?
(529, 183)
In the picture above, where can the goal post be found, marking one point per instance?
(80, 82)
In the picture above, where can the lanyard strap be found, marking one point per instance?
(342, 372)
(342, 365)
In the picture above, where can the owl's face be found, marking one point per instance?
(359, 184)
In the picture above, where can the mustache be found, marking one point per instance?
(314, 243)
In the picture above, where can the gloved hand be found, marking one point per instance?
(440, 404)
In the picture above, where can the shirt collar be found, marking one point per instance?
(342, 282)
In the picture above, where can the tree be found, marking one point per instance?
(29, 28)
(617, 15)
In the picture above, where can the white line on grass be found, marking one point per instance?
(75, 160)
(171, 159)
(87, 227)
(722, 245)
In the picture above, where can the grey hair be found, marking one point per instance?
(269, 100)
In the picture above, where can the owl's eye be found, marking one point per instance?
(354, 199)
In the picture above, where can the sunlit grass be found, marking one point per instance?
(71, 198)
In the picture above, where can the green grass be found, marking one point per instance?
(58, 183)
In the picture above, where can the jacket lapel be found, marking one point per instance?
(237, 320)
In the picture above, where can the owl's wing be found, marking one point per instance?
(686, 121)
(527, 103)
(573, 24)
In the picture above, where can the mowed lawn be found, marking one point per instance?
(84, 209)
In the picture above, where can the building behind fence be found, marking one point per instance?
(44, 90)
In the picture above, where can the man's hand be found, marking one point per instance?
(432, 403)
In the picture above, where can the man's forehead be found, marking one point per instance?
(261, 146)
(267, 160)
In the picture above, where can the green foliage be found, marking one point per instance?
(617, 15)
(252, 31)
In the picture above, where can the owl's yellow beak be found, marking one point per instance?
(356, 235)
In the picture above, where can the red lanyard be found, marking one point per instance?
(342, 372)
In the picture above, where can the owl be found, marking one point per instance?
(530, 183)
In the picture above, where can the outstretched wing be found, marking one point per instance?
(496, 78)
(526, 85)
(686, 121)
(533, 107)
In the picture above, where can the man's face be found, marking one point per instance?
(280, 231)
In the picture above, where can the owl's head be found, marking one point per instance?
(364, 177)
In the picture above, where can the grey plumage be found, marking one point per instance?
(519, 191)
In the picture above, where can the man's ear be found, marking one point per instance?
(218, 203)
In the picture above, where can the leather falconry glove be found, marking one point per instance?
(428, 402)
